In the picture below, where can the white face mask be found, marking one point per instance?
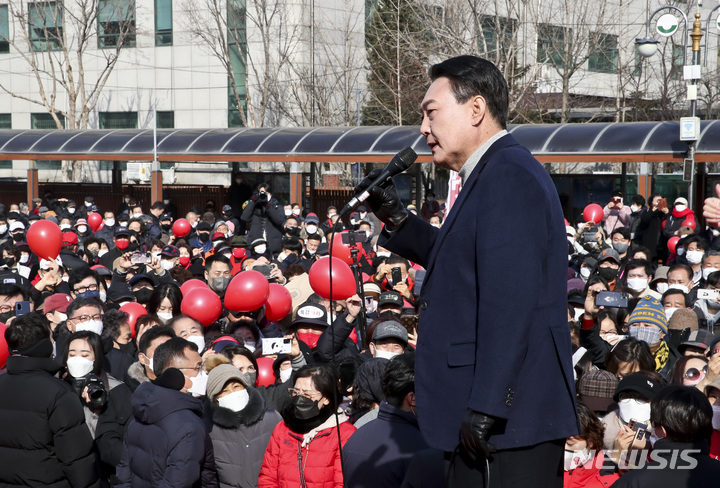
(661, 288)
(573, 459)
(125, 224)
(235, 401)
(166, 317)
(65, 226)
(251, 345)
(631, 408)
(716, 417)
(296, 212)
(260, 249)
(150, 363)
(285, 374)
(103, 296)
(71, 210)
(437, 226)
(102, 252)
(3, 228)
(677, 286)
(634, 208)
(680, 207)
(708, 271)
(382, 254)
(61, 316)
(670, 311)
(167, 265)
(585, 272)
(637, 284)
(288, 213)
(155, 255)
(578, 313)
(694, 257)
(79, 366)
(199, 384)
(680, 250)
(109, 222)
(91, 325)
(82, 229)
(199, 341)
(385, 354)
(311, 228)
(24, 258)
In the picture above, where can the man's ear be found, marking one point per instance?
(479, 109)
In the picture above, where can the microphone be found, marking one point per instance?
(399, 163)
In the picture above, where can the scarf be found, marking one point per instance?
(661, 356)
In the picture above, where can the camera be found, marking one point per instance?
(279, 345)
(140, 258)
(96, 390)
(262, 197)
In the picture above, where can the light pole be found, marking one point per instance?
(666, 26)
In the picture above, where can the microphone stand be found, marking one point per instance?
(355, 266)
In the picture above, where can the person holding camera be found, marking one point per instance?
(106, 400)
(266, 218)
(616, 214)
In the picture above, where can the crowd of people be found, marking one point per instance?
(92, 395)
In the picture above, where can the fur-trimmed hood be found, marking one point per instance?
(251, 414)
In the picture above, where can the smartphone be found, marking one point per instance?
(589, 235)
(409, 319)
(708, 294)
(21, 308)
(140, 258)
(265, 269)
(638, 427)
(396, 275)
(662, 204)
(359, 236)
(276, 345)
(616, 299)
(617, 200)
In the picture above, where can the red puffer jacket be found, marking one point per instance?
(588, 475)
(289, 464)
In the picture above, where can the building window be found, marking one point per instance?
(605, 56)
(496, 37)
(45, 26)
(46, 121)
(163, 23)
(118, 120)
(4, 29)
(5, 121)
(116, 23)
(551, 41)
(237, 45)
(165, 120)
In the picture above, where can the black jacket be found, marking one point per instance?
(44, 440)
(166, 444)
(344, 346)
(267, 219)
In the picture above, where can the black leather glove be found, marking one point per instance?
(474, 435)
(383, 201)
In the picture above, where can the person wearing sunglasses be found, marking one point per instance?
(691, 371)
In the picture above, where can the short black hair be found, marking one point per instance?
(293, 244)
(639, 263)
(27, 330)
(684, 412)
(314, 237)
(701, 242)
(169, 352)
(79, 274)
(153, 333)
(632, 351)
(623, 231)
(215, 258)
(159, 205)
(112, 321)
(470, 76)
(399, 378)
(84, 302)
(682, 266)
(10, 290)
(638, 200)
(675, 291)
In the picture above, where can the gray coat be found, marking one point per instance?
(240, 439)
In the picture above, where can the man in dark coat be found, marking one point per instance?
(378, 454)
(166, 443)
(266, 218)
(493, 365)
(682, 418)
(44, 440)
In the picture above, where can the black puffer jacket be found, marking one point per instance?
(43, 437)
(265, 220)
(166, 444)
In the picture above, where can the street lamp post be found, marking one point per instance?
(667, 25)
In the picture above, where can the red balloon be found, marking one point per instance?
(247, 291)
(265, 374)
(689, 223)
(593, 213)
(343, 280)
(181, 228)
(191, 285)
(95, 220)
(202, 304)
(45, 239)
(279, 303)
(134, 311)
(341, 250)
(4, 352)
(672, 243)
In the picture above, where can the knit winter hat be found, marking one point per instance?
(649, 310)
(682, 319)
(219, 376)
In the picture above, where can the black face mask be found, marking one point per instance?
(9, 262)
(166, 227)
(19, 237)
(608, 274)
(128, 348)
(204, 237)
(305, 408)
(292, 231)
(143, 295)
(5, 316)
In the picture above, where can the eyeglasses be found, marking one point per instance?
(5, 308)
(85, 318)
(196, 369)
(694, 374)
(83, 289)
(306, 393)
